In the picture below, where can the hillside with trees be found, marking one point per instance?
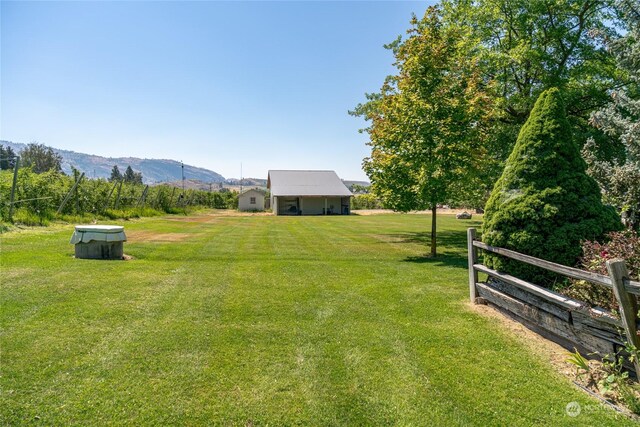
(152, 170)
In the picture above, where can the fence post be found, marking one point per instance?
(627, 302)
(157, 203)
(13, 187)
(143, 197)
(64, 202)
(118, 196)
(77, 199)
(473, 259)
(172, 194)
(108, 199)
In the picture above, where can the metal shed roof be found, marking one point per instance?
(306, 183)
(255, 190)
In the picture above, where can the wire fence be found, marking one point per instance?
(25, 194)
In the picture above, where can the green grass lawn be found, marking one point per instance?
(264, 320)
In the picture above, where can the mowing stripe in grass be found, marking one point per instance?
(264, 320)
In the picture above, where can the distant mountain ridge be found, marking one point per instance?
(349, 183)
(153, 170)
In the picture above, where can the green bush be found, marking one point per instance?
(365, 201)
(75, 218)
(116, 214)
(545, 204)
(174, 211)
(130, 213)
(26, 217)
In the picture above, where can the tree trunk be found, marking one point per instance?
(433, 230)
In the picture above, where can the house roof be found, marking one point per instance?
(306, 183)
(256, 190)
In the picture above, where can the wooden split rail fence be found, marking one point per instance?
(567, 321)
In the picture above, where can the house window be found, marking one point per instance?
(252, 201)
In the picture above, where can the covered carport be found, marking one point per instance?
(308, 193)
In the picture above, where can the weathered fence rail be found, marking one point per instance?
(565, 320)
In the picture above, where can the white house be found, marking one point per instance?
(251, 200)
(300, 192)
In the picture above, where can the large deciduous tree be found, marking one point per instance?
(41, 158)
(527, 46)
(516, 49)
(545, 204)
(619, 176)
(426, 121)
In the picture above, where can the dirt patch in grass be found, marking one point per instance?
(193, 219)
(549, 350)
(212, 216)
(557, 357)
(148, 236)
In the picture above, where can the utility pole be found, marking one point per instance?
(13, 187)
(240, 177)
(182, 163)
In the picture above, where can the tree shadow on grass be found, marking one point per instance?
(451, 247)
(446, 259)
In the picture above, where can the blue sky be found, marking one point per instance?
(214, 84)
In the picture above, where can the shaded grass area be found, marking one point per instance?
(264, 320)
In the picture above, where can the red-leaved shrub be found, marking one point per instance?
(620, 244)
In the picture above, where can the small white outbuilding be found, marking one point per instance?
(251, 200)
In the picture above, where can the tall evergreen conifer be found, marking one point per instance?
(545, 204)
